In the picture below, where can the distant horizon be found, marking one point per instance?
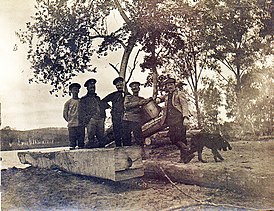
(35, 128)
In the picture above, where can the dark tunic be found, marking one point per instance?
(132, 120)
(90, 108)
(117, 100)
(92, 115)
(133, 111)
(117, 111)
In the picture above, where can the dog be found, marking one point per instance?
(214, 142)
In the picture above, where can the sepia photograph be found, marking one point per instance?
(131, 105)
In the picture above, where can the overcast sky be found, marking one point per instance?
(28, 106)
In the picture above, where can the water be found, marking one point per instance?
(10, 159)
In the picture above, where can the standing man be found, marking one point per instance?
(92, 115)
(71, 115)
(117, 111)
(176, 113)
(133, 116)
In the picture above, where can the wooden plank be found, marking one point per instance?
(101, 162)
(129, 174)
(128, 158)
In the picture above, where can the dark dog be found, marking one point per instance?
(214, 142)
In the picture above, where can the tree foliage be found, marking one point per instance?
(234, 33)
(210, 96)
(158, 35)
(176, 37)
(64, 35)
(60, 39)
(195, 59)
(254, 109)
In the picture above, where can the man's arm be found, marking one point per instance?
(185, 108)
(184, 104)
(159, 99)
(65, 111)
(128, 103)
(104, 105)
(108, 98)
(84, 117)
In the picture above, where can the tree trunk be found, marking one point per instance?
(238, 81)
(155, 82)
(126, 55)
(197, 106)
(131, 41)
(154, 72)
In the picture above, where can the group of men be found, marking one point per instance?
(89, 112)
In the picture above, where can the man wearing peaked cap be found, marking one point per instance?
(117, 80)
(132, 119)
(92, 115)
(90, 81)
(117, 110)
(176, 113)
(71, 115)
(74, 85)
(134, 83)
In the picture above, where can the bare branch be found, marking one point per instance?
(183, 192)
(115, 68)
(134, 65)
(222, 76)
(226, 63)
(122, 13)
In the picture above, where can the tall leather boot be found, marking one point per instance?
(183, 151)
(185, 155)
(188, 158)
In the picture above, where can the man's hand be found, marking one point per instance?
(144, 101)
(157, 100)
(187, 121)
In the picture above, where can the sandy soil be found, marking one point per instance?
(37, 189)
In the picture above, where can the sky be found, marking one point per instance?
(27, 106)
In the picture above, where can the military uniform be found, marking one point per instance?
(92, 116)
(132, 120)
(117, 111)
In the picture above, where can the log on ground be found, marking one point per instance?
(213, 176)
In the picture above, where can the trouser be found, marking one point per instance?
(95, 128)
(76, 136)
(117, 124)
(134, 127)
(177, 135)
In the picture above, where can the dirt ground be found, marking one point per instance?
(38, 189)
